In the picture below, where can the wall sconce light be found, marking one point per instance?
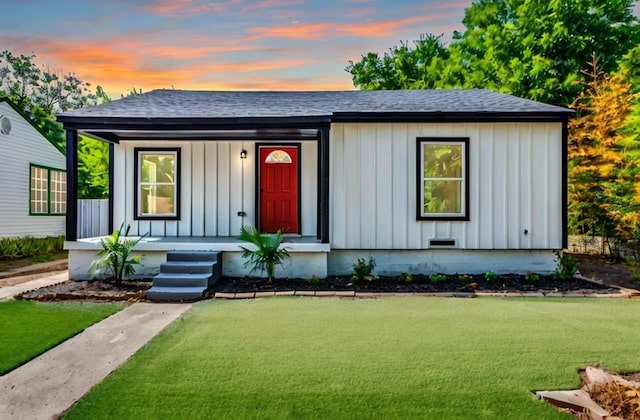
(243, 154)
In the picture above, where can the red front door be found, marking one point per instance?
(279, 189)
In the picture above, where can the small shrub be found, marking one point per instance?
(363, 270)
(267, 254)
(114, 258)
(531, 277)
(490, 276)
(437, 278)
(314, 279)
(406, 277)
(566, 268)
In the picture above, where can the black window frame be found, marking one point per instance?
(136, 187)
(420, 215)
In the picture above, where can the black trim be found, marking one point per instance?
(136, 152)
(299, 169)
(189, 124)
(72, 186)
(565, 184)
(112, 161)
(435, 117)
(419, 186)
(324, 182)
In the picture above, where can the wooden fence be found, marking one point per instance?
(93, 218)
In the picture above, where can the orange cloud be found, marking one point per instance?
(188, 7)
(317, 31)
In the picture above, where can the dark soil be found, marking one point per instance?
(604, 269)
(418, 284)
(134, 291)
(90, 290)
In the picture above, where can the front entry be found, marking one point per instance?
(279, 173)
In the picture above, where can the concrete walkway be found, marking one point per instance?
(8, 292)
(51, 383)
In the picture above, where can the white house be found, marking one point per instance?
(424, 181)
(33, 178)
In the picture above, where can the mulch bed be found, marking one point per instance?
(418, 284)
(134, 291)
(89, 290)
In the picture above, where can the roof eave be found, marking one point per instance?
(177, 124)
(439, 117)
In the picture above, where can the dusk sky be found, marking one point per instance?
(205, 44)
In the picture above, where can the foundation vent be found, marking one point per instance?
(442, 243)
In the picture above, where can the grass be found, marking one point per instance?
(30, 328)
(294, 358)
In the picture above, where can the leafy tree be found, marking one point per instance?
(404, 67)
(603, 161)
(93, 168)
(41, 92)
(530, 48)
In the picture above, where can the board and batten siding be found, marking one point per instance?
(215, 184)
(24, 146)
(515, 185)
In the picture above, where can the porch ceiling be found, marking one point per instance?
(115, 136)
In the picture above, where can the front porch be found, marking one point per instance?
(308, 255)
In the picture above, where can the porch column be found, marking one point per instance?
(323, 183)
(111, 186)
(72, 185)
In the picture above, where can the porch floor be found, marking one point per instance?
(293, 243)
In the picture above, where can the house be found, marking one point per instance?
(450, 181)
(33, 178)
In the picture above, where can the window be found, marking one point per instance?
(47, 191)
(443, 187)
(157, 183)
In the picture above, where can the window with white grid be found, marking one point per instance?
(39, 190)
(48, 191)
(58, 195)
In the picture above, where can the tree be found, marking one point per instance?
(530, 48)
(404, 67)
(603, 161)
(42, 92)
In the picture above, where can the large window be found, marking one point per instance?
(157, 183)
(443, 188)
(47, 191)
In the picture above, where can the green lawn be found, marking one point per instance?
(30, 328)
(391, 358)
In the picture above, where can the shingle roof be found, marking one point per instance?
(256, 104)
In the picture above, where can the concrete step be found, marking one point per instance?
(194, 256)
(182, 280)
(189, 267)
(175, 294)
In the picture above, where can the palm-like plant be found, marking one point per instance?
(114, 258)
(267, 253)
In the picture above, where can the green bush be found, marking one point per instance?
(566, 268)
(114, 258)
(437, 278)
(27, 246)
(267, 253)
(490, 276)
(363, 270)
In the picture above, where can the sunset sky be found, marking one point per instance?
(221, 44)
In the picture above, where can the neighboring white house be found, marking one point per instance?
(32, 178)
(424, 181)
